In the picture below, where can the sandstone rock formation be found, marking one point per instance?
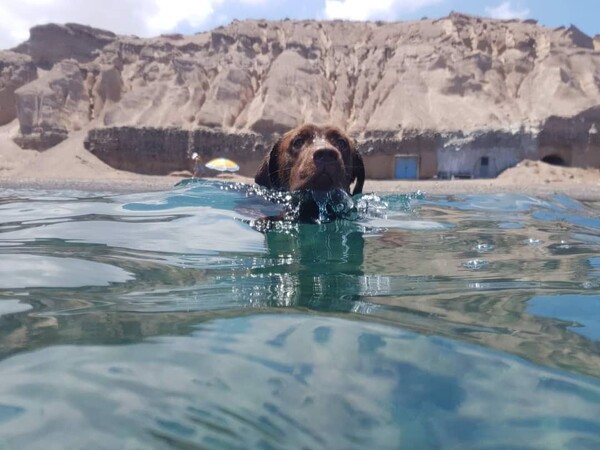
(16, 70)
(51, 106)
(458, 75)
(51, 43)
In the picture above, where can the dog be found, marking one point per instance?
(315, 158)
(312, 158)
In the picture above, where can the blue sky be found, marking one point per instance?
(153, 17)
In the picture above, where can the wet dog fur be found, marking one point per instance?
(312, 158)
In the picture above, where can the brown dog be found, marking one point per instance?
(313, 158)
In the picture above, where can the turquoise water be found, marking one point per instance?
(165, 320)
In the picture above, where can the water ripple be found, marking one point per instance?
(397, 318)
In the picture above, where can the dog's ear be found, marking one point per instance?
(358, 172)
(268, 173)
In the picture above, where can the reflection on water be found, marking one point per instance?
(459, 321)
(293, 381)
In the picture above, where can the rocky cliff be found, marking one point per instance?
(16, 70)
(52, 43)
(458, 74)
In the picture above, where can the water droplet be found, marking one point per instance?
(371, 206)
(532, 242)
(476, 264)
(590, 285)
(484, 248)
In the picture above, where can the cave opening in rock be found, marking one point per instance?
(555, 160)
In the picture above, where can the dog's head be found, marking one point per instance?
(315, 158)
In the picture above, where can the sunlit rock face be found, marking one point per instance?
(16, 70)
(52, 106)
(51, 43)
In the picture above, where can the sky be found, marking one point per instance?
(153, 17)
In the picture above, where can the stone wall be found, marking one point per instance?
(379, 153)
(142, 150)
(485, 154)
(159, 151)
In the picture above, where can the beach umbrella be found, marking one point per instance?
(223, 165)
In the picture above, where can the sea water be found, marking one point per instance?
(166, 320)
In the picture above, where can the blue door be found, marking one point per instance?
(407, 168)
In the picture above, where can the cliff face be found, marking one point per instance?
(16, 70)
(49, 107)
(458, 74)
(52, 43)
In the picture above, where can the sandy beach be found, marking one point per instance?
(69, 166)
(587, 191)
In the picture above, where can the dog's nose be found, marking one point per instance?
(325, 156)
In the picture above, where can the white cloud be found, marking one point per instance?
(13, 28)
(140, 17)
(170, 13)
(372, 9)
(121, 16)
(152, 17)
(506, 11)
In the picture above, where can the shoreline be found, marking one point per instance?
(140, 183)
(69, 166)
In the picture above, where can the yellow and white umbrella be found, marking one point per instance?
(223, 165)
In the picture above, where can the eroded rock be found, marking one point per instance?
(51, 43)
(16, 70)
(51, 106)
(455, 75)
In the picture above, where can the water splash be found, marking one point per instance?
(372, 206)
(476, 264)
(332, 205)
(328, 206)
(484, 247)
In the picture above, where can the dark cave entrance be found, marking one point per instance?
(555, 160)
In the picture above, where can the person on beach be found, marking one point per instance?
(198, 167)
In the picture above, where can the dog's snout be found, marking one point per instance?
(325, 156)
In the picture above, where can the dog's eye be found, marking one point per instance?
(341, 143)
(297, 142)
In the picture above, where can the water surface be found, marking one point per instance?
(165, 320)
